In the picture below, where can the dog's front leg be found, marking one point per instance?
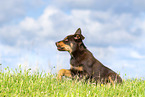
(64, 72)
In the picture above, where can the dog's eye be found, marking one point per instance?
(66, 40)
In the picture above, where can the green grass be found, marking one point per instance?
(22, 83)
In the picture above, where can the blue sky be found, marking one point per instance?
(114, 32)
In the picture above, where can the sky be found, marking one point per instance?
(114, 32)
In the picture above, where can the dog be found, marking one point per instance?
(83, 63)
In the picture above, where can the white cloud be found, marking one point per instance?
(135, 54)
(29, 24)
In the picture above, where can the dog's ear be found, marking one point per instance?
(78, 34)
(78, 31)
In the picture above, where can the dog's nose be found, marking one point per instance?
(57, 43)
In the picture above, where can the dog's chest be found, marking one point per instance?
(75, 62)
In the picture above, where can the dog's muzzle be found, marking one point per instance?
(59, 47)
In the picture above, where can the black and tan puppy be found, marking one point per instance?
(83, 63)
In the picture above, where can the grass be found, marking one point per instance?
(22, 83)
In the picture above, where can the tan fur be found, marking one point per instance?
(79, 68)
(64, 72)
(111, 80)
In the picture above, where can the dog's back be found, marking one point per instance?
(94, 68)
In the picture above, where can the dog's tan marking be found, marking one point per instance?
(66, 47)
(79, 68)
(78, 36)
(71, 45)
(65, 38)
(110, 79)
(64, 72)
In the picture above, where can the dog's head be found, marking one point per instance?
(71, 42)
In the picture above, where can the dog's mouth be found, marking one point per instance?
(60, 48)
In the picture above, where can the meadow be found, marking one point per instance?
(23, 83)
